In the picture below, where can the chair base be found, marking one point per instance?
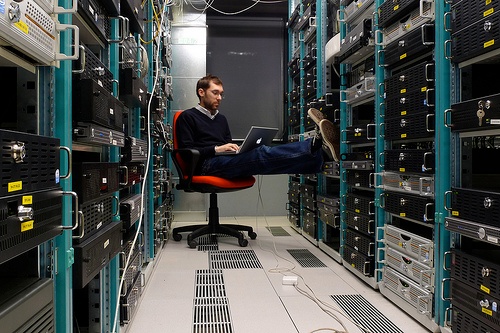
(196, 231)
(213, 228)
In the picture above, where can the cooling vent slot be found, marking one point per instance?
(305, 258)
(365, 314)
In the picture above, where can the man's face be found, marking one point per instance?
(211, 98)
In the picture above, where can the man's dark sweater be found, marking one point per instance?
(196, 130)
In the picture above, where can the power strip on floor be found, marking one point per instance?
(290, 280)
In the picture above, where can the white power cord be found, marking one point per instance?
(144, 182)
(309, 293)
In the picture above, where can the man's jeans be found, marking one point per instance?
(290, 158)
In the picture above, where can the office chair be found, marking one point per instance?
(185, 161)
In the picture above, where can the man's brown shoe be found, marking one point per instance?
(331, 139)
(316, 115)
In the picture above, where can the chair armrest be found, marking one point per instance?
(186, 160)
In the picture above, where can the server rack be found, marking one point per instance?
(468, 131)
(313, 199)
(395, 142)
(358, 150)
(70, 113)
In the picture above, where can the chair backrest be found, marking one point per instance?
(179, 163)
(174, 127)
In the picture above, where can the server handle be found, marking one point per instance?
(422, 10)
(124, 291)
(117, 206)
(445, 15)
(371, 204)
(428, 247)
(338, 15)
(79, 218)
(378, 41)
(443, 298)
(376, 178)
(381, 200)
(382, 129)
(382, 110)
(76, 46)
(381, 160)
(372, 85)
(115, 81)
(377, 259)
(446, 55)
(312, 21)
(421, 190)
(142, 123)
(371, 180)
(82, 225)
(366, 268)
(371, 226)
(380, 53)
(83, 61)
(368, 131)
(343, 136)
(429, 68)
(427, 96)
(381, 85)
(446, 124)
(445, 255)
(62, 10)
(427, 155)
(343, 199)
(426, 214)
(336, 221)
(446, 195)
(124, 167)
(428, 122)
(124, 31)
(70, 162)
(345, 93)
(447, 321)
(380, 240)
(428, 297)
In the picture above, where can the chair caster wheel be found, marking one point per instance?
(177, 237)
(243, 242)
(191, 242)
(252, 235)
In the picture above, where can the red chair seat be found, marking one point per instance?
(223, 183)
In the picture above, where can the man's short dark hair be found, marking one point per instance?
(204, 82)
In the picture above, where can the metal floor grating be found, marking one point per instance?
(207, 243)
(305, 258)
(365, 314)
(278, 231)
(209, 283)
(233, 259)
(211, 311)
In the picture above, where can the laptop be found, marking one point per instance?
(256, 136)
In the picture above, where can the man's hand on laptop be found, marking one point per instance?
(227, 147)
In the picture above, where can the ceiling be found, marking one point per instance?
(264, 8)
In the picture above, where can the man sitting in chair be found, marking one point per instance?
(205, 129)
